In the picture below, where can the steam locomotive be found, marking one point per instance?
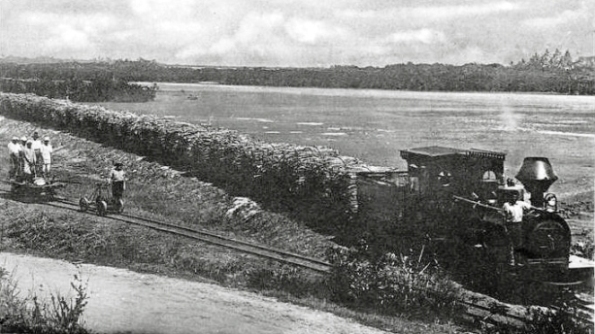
(457, 196)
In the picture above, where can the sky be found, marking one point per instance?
(301, 33)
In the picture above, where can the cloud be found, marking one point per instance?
(159, 10)
(554, 20)
(312, 32)
(69, 32)
(430, 12)
(274, 38)
(294, 32)
(426, 36)
(66, 37)
(258, 36)
(454, 12)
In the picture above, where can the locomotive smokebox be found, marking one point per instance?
(537, 175)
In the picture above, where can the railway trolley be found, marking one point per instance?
(101, 202)
(39, 191)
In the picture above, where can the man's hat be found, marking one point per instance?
(46, 139)
(29, 142)
(15, 138)
(118, 164)
(23, 138)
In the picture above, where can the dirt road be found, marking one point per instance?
(125, 301)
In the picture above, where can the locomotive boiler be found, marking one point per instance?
(456, 196)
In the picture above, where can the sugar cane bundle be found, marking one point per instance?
(312, 178)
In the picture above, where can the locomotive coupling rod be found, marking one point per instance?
(458, 198)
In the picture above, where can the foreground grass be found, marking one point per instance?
(75, 237)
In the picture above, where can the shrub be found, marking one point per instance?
(391, 283)
(30, 315)
(545, 322)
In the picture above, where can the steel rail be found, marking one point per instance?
(211, 238)
(473, 309)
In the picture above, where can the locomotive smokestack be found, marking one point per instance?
(537, 175)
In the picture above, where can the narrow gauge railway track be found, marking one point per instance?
(484, 311)
(208, 237)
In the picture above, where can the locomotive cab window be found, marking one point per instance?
(490, 176)
(489, 185)
(444, 178)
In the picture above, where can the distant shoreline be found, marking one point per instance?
(336, 89)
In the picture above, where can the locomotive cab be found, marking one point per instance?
(476, 177)
(453, 198)
(445, 171)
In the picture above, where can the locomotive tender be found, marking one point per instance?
(456, 194)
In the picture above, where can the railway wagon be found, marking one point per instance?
(457, 195)
(39, 191)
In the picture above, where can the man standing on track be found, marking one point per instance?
(22, 145)
(28, 156)
(46, 156)
(117, 177)
(14, 149)
(36, 146)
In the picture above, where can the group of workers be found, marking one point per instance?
(29, 158)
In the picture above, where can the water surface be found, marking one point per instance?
(374, 125)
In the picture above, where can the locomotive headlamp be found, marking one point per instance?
(551, 203)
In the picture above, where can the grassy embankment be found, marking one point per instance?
(160, 193)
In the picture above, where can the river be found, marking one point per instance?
(373, 125)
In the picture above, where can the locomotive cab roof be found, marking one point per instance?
(455, 159)
(459, 170)
(430, 152)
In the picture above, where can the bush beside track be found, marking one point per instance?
(310, 182)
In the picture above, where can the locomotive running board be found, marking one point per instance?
(577, 262)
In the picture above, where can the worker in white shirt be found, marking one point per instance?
(36, 145)
(514, 210)
(117, 178)
(22, 145)
(29, 162)
(14, 150)
(46, 156)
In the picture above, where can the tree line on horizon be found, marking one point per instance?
(101, 88)
(549, 73)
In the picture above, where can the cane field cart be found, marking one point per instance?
(39, 191)
(101, 202)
